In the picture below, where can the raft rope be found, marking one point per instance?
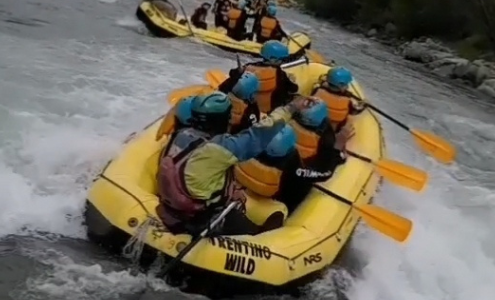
(133, 249)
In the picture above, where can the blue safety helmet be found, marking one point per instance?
(241, 4)
(282, 143)
(183, 110)
(211, 112)
(339, 77)
(274, 50)
(271, 10)
(314, 115)
(247, 87)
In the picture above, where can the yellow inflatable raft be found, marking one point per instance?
(124, 196)
(166, 25)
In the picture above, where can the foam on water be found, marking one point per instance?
(61, 124)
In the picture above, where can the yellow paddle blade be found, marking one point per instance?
(384, 221)
(435, 146)
(401, 174)
(215, 77)
(315, 56)
(178, 94)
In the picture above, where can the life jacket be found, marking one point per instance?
(268, 25)
(307, 140)
(176, 205)
(338, 105)
(258, 178)
(234, 14)
(167, 125)
(238, 108)
(267, 77)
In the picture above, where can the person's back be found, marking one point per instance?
(236, 27)
(196, 180)
(319, 152)
(333, 90)
(245, 112)
(269, 27)
(198, 18)
(263, 174)
(276, 88)
(221, 9)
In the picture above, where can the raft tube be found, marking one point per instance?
(123, 196)
(161, 26)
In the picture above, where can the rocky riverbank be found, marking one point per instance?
(438, 58)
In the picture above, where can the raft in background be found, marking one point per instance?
(161, 25)
(124, 196)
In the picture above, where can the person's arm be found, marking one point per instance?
(228, 84)
(286, 83)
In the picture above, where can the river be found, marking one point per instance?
(76, 77)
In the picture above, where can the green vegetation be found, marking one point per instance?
(470, 25)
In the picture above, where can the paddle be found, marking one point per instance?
(194, 242)
(397, 172)
(432, 144)
(178, 94)
(185, 16)
(215, 76)
(378, 218)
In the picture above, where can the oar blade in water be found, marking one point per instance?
(401, 174)
(384, 221)
(435, 146)
(215, 77)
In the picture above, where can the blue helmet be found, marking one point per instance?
(241, 4)
(247, 86)
(274, 50)
(211, 112)
(271, 10)
(183, 110)
(282, 143)
(314, 115)
(339, 77)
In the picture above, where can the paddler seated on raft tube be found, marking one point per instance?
(221, 9)
(198, 18)
(236, 27)
(178, 117)
(304, 152)
(333, 89)
(269, 27)
(276, 89)
(195, 174)
(245, 111)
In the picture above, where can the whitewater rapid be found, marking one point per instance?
(77, 78)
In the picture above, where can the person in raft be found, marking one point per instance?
(244, 113)
(195, 178)
(333, 89)
(276, 89)
(304, 152)
(236, 26)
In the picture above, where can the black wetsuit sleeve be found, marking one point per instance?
(321, 166)
(285, 90)
(251, 116)
(279, 29)
(228, 84)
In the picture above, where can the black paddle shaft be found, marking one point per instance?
(381, 112)
(331, 194)
(193, 243)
